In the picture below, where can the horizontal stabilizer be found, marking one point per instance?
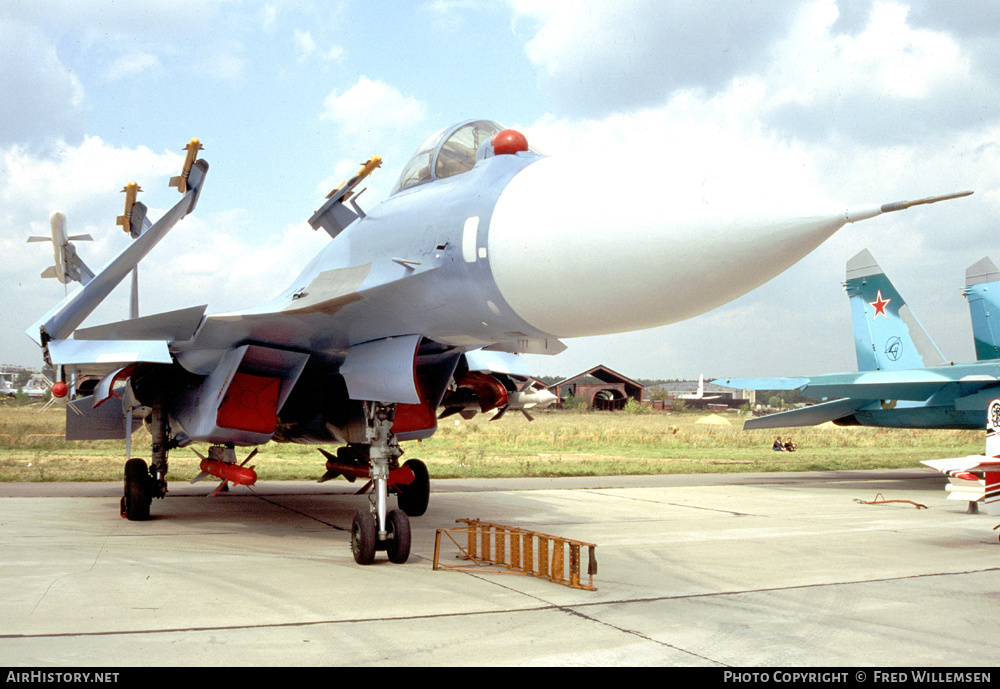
(916, 391)
(807, 416)
(66, 352)
(172, 326)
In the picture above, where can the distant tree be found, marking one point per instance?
(658, 393)
(634, 406)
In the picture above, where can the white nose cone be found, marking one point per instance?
(576, 252)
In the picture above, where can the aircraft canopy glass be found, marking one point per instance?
(448, 152)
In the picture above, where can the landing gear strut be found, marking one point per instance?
(143, 483)
(379, 528)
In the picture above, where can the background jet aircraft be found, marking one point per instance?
(902, 381)
(6, 389)
(68, 265)
(483, 250)
(700, 393)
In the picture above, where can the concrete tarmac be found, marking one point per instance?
(733, 570)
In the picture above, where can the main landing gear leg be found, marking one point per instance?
(143, 483)
(384, 530)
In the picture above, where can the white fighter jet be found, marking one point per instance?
(484, 250)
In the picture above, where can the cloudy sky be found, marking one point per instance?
(863, 101)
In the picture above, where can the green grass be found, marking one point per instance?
(555, 444)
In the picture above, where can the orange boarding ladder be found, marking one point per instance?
(510, 550)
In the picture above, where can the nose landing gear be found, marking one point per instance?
(380, 528)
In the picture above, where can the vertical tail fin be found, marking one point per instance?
(982, 289)
(887, 336)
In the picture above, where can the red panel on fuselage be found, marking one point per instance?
(250, 404)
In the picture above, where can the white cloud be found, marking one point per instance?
(306, 48)
(371, 117)
(614, 55)
(131, 65)
(42, 98)
(371, 107)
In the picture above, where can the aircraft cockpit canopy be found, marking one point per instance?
(448, 152)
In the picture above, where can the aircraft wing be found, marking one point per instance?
(807, 416)
(62, 320)
(963, 484)
(763, 383)
(964, 464)
(915, 384)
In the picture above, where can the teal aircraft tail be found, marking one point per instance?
(982, 289)
(887, 336)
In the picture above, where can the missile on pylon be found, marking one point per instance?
(192, 153)
(333, 216)
(343, 191)
(131, 191)
(67, 265)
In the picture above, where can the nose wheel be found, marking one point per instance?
(365, 540)
(380, 528)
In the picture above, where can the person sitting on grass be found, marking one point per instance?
(777, 446)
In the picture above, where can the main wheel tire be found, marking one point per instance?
(397, 545)
(138, 491)
(414, 497)
(364, 536)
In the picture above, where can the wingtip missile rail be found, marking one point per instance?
(181, 181)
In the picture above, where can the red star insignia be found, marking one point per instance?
(879, 305)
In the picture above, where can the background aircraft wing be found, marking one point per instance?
(807, 416)
(762, 383)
